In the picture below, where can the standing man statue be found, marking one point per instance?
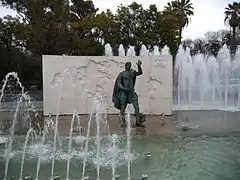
(124, 93)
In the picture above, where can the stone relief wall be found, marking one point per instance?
(84, 76)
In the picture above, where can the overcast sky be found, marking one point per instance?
(209, 14)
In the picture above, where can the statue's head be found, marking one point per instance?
(128, 65)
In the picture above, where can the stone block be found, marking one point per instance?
(88, 76)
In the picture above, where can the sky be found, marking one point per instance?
(208, 14)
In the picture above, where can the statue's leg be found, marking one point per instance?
(122, 115)
(136, 108)
(123, 104)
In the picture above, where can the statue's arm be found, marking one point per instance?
(119, 82)
(139, 72)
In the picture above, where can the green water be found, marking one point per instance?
(173, 158)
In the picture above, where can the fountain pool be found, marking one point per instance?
(172, 157)
(47, 155)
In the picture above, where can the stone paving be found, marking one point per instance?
(181, 122)
(11, 106)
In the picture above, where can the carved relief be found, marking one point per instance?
(160, 63)
(98, 74)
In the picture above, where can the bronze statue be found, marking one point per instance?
(124, 93)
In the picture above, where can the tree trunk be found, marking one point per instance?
(234, 33)
(180, 36)
(233, 43)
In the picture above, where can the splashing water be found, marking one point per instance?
(15, 76)
(21, 117)
(155, 51)
(144, 51)
(40, 154)
(207, 82)
(24, 152)
(50, 125)
(131, 51)
(9, 147)
(70, 144)
(129, 145)
(86, 148)
(56, 126)
(165, 51)
(98, 146)
(121, 51)
(108, 50)
(114, 139)
(207, 78)
(98, 103)
(100, 110)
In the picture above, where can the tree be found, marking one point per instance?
(214, 42)
(169, 28)
(44, 22)
(187, 43)
(183, 9)
(45, 27)
(60, 27)
(153, 27)
(106, 30)
(56, 27)
(128, 22)
(134, 25)
(81, 9)
(232, 17)
(211, 43)
(11, 54)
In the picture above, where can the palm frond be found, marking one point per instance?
(232, 13)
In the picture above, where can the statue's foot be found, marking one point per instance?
(140, 125)
(142, 118)
(123, 125)
(142, 121)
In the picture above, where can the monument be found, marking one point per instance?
(74, 81)
(124, 92)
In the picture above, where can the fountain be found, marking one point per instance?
(114, 139)
(98, 119)
(108, 50)
(86, 147)
(49, 125)
(131, 51)
(165, 51)
(121, 51)
(204, 83)
(155, 51)
(144, 51)
(207, 82)
(24, 105)
(129, 145)
(15, 76)
(70, 144)
(41, 151)
(24, 152)
(56, 124)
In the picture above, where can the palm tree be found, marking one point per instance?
(232, 18)
(183, 10)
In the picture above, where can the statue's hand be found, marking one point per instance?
(139, 63)
(128, 89)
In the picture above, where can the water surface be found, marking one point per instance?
(173, 158)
